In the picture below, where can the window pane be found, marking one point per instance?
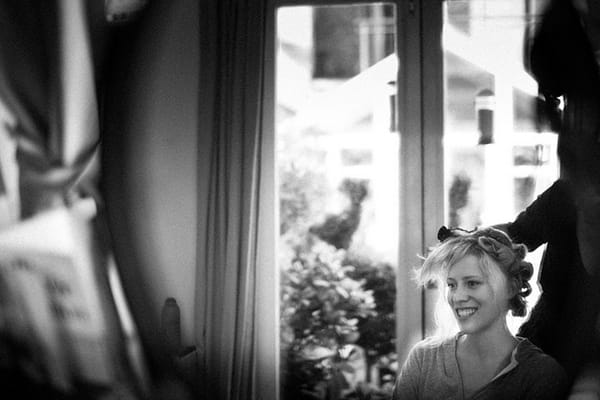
(499, 156)
(337, 151)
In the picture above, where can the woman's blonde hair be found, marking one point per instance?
(507, 261)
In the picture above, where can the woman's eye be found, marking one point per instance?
(451, 285)
(473, 284)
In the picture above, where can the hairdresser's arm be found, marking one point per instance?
(547, 380)
(544, 219)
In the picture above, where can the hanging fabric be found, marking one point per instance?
(231, 78)
(47, 82)
(57, 310)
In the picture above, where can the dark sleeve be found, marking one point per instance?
(544, 219)
(547, 380)
(407, 383)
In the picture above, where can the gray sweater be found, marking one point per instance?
(431, 372)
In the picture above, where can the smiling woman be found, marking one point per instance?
(478, 301)
(485, 277)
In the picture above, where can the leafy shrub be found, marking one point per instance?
(329, 299)
(377, 331)
(320, 310)
(338, 229)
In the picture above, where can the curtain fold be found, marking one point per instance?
(230, 125)
(47, 82)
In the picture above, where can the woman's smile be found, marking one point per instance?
(465, 312)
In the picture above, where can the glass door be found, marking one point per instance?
(338, 185)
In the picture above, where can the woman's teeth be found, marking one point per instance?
(465, 312)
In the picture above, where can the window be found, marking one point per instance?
(391, 119)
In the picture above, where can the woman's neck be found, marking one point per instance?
(489, 343)
(481, 356)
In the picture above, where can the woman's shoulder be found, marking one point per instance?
(432, 345)
(432, 342)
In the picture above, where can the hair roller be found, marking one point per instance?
(495, 234)
(488, 244)
(525, 270)
(449, 233)
(520, 250)
(443, 233)
(525, 290)
(518, 306)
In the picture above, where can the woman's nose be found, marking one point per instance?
(460, 294)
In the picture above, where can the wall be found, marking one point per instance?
(150, 157)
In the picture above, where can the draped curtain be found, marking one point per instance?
(232, 34)
(48, 74)
(51, 64)
(47, 82)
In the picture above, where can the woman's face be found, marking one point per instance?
(478, 302)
